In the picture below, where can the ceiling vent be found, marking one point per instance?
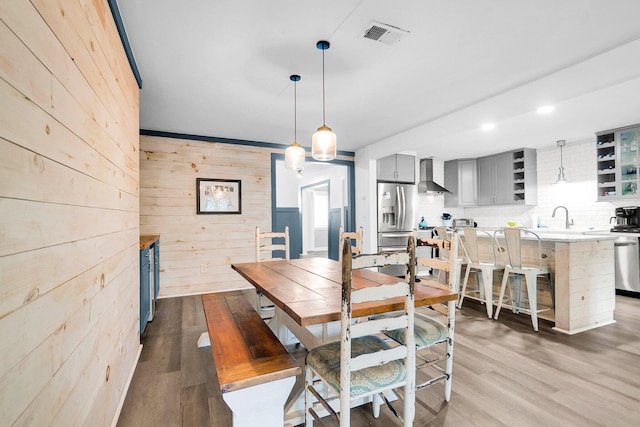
(388, 34)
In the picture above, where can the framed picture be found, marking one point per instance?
(218, 196)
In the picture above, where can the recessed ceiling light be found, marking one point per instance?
(546, 109)
(488, 126)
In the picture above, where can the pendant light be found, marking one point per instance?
(323, 142)
(294, 155)
(561, 178)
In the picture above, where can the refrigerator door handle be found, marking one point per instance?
(396, 234)
(400, 208)
(391, 249)
(404, 208)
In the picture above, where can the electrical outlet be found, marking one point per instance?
(203, 268)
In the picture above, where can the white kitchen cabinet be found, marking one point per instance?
(397, 168)
(460, 178)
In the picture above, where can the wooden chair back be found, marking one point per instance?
(355, 239)
(449, 244)
(266, 244)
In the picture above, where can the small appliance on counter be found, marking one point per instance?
(463, 222)
(446, 219)
(627, 220)
(422, 225)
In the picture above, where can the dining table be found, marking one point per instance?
(307, 292)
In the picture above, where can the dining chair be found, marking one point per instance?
(362, 364)
(268, 242)
(356, 242)
(513, 239)
(460, 258)
(435, 326)
(484, 266)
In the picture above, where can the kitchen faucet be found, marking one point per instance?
(566, 216)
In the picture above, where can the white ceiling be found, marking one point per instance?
(221, 68)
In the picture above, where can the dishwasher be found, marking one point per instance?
(627, 261)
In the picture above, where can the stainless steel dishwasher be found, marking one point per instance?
(627, 259)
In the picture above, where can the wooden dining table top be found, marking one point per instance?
(309, 289)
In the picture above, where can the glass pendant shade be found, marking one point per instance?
(294, 157)
(324, 141)
(324, 144)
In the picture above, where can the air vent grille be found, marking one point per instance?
(384, 33)
(374, 33)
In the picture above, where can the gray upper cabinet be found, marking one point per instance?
(501, 179)
(495, 175)
(618, 160)
(397, 168)
(460, 178)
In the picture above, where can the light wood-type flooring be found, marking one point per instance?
(504, 374)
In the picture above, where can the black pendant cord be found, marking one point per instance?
(324, 122)
(295, 111)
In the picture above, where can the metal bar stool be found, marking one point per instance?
(513, 238)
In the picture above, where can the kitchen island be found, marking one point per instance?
(584, 277)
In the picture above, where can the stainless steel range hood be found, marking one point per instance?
(426, 184)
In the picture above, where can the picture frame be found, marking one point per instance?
(218, 196)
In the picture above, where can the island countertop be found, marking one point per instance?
(559, 236)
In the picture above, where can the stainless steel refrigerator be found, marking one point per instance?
(396, 217)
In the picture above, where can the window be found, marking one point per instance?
(320, 209)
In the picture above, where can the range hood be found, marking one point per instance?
(426, 184)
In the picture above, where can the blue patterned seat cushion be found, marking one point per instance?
(426, 331)
(325, 360)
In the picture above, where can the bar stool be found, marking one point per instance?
(485, 269)
(513, 238)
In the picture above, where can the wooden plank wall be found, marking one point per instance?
(196, 251)
(69, 203)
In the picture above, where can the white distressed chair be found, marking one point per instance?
(265, 246)
(362, 364)
(438, 328)
(356, 242)
(485, 267)
(513, 239)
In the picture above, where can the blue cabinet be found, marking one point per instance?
(149, 278)
(145, 294)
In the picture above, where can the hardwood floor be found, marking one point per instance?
(504, 374)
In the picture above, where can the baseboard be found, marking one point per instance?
(114, 422)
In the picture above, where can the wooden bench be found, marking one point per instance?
(256, 373)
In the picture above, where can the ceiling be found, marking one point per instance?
(221, 68)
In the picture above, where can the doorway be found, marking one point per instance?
(324, 187)
(315, 219)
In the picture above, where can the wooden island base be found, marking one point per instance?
(584, 278)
